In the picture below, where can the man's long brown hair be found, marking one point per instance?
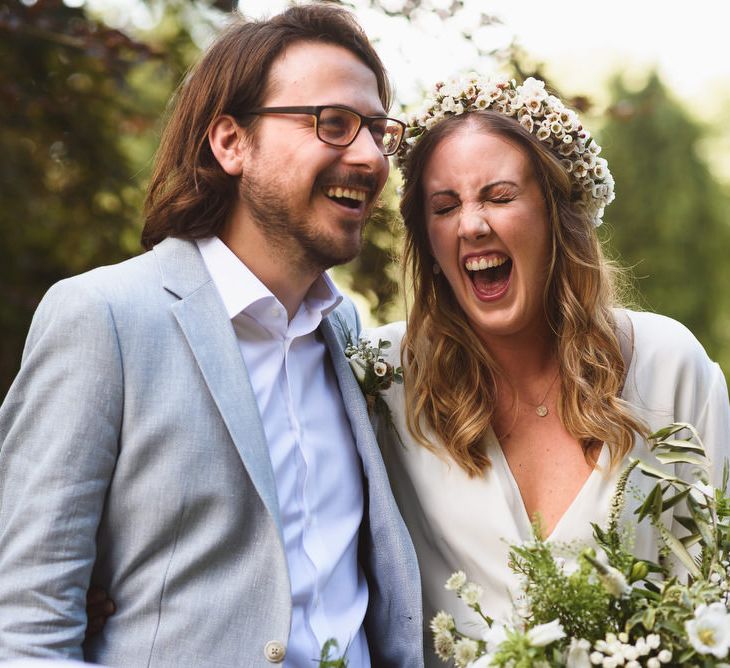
(190, 196)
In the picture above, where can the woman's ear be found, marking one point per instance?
(226, 139)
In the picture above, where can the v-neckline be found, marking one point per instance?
(522, 518)
(523, 523)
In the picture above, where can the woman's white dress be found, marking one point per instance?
(463, 523)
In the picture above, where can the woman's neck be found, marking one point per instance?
(523, 358)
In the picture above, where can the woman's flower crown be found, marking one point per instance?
(544, 115)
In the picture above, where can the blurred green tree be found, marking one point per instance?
(669, 222)
(80, 105)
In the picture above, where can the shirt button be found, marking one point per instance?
(274, 651)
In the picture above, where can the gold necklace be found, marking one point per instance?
(541, 409)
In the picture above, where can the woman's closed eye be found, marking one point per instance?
(441, 205)
(443, 210)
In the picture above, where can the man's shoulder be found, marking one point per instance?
(135, 281)
(131, 275)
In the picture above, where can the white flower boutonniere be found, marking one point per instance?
(374, 374)
(371, 370)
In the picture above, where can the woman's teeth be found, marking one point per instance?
(481, 263)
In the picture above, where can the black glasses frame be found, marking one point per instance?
(316, 111)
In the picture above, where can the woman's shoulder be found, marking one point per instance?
(667, 358)
(657, 337)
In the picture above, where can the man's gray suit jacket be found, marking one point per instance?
(132, 456)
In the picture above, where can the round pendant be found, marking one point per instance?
(541, 410)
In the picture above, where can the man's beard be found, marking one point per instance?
(295, 236)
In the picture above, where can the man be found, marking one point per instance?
(184, 431)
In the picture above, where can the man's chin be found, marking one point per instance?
(333, 255)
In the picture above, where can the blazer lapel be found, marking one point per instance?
(209, 333)
(353, 398)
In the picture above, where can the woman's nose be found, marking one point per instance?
(473, 225)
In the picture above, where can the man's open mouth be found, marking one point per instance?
(489, 274)
(352, 198)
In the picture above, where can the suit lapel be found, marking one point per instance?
(352, 397)
(209, 333)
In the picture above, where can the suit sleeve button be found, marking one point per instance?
(274, 651)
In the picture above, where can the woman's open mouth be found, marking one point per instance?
(489, 274)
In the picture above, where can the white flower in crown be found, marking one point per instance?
(539, 113)
(448, 104)
(533, 89)
(527, 122)
(567, 148)
(600, 169)
(543, 132)
(481, 102)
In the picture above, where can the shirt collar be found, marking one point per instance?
(240, 288)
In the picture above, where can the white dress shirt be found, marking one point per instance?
(317, 469)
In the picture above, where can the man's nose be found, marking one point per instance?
(364, 150)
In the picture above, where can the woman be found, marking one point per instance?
(525, 386)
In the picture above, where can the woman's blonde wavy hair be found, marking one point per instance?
(451, 376)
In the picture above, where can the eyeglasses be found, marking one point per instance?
(338, 126)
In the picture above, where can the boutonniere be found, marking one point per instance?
(374, 375)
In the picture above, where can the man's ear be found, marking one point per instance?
(227, 141)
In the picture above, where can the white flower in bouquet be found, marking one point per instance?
(494, 636)
(544, 634)
(465, 651)
(471, 593)
(615, 582)
(665, 656)
(443, 644)
(578, 656)
(456, 581)
(484, 661)
(443, 621)
(709, 630)
(612, 579)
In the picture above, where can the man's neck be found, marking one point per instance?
(287, 279)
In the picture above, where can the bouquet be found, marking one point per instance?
(614, 609)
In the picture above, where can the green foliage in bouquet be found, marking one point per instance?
(585, 611)
(614, 609)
